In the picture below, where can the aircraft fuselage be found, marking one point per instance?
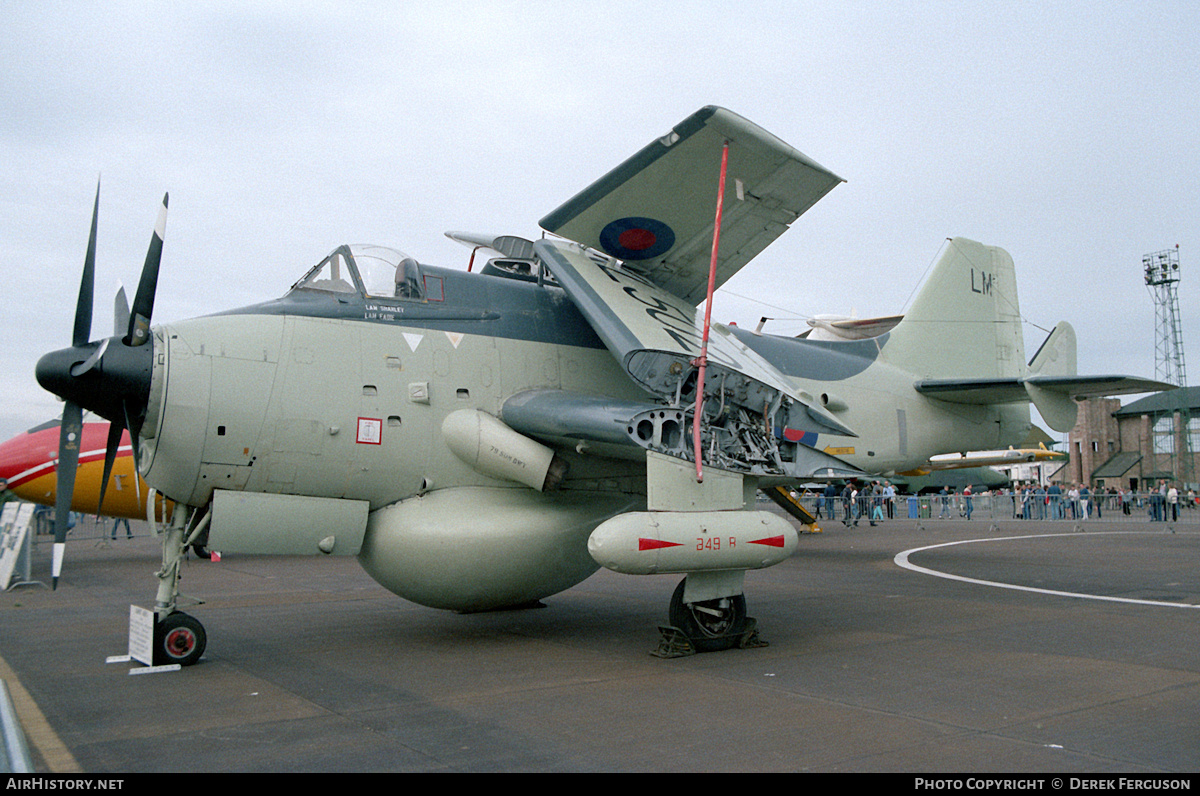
(343, 396)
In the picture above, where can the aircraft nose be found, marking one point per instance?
(106, 377)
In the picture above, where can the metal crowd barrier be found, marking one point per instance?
(14, 750)
(1106, 508)
(87, 526)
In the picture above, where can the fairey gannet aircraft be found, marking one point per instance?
(484, 439)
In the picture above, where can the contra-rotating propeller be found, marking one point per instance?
(110, 377)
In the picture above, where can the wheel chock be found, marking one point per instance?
(750, 639)
(673, 644)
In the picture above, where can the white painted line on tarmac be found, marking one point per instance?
(901, 560)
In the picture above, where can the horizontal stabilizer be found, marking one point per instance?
(1054, 396)
(1095, 386)
(973, 391)
(999, 391)
(656, 210)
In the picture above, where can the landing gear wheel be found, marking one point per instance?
(201, 551)
(178, 638)
(711, 625)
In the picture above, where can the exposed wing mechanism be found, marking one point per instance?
(656, 337)
(627, 429)
(640, 266)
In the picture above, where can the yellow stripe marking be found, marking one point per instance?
(38, 732)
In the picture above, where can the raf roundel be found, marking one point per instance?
(636, 238)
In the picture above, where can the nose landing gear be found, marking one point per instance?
(178, 638)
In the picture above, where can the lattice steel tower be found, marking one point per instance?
(1161, 270)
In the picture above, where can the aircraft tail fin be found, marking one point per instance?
(1055, 358)
(965, 322)
(962, 340)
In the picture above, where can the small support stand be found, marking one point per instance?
(673, 644)
(676, 644)
(750, 639)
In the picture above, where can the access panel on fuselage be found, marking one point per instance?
(310, 426)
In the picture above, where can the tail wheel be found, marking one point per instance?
(179, 638)
(711, 625)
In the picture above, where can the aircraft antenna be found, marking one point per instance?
(702, 360)
(921, 281)
(1161, 272)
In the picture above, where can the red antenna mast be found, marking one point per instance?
(702, 360)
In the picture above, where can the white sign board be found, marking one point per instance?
(14, 531)
(141, 635)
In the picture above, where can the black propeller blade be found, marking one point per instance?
(83, 306)
(143, 300)
(110, 377)
(70, 434)
(115, 430)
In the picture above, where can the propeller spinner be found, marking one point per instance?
(110, 377)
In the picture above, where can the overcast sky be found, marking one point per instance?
(1063, 132)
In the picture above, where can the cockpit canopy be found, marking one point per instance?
(375, 271)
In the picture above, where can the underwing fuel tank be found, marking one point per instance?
(664, 542)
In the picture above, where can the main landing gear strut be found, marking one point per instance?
(707, 626)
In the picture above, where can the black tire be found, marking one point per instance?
(711, 625)
(179, 638)
(201, 551)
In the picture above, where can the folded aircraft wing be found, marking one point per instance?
(656, 210)
(656, 335)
